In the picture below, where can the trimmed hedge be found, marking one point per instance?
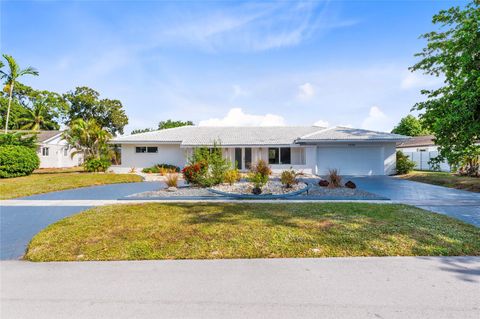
(16, 160)
(97, 164)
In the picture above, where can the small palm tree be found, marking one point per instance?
(37, 119)
(88, 138)
(11, 76)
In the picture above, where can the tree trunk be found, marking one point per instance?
(9, 104)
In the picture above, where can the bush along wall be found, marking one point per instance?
(17, 160)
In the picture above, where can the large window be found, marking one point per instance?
(146, 149)
(279, 155)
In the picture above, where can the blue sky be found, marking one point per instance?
(230, 63)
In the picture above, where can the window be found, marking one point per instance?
(45, 151)
(145, 149)
(273, 156)
(282, 155)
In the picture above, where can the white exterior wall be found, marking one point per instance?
(57, 158)
(167, 154)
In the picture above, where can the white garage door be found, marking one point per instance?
(351, 160)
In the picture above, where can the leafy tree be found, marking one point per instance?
(452, 112)
(410, 126)
(88, 138)
(11, 77)
(85, 103)
(19, 139)
(144, 130)
(37, 119)
(171, 124)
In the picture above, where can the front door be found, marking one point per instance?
(248, 158)
(238, 158)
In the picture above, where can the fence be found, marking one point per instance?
(421, 160)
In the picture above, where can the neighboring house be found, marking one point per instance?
(54, 151)
(421, 149)
(309, 149)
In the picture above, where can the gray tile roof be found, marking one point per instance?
(426, 140)
(249, 135)
(42, 136)
(340, 133)
(206, 135)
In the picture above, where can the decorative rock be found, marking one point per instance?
(257, 190)
(171, 189)
(323, 183)
(350, 184)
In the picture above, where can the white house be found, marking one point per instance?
(421, 149)
(54, 151)
(307, 148)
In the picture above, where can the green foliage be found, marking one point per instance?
(469, 164)
(207, 166)
(97, 164)
(88, 138)
(410, 126)
(85, 103)
(262, 168)
(452, 112)
(257, 179)
(16, 160)
(404, 164)
(162, 169)
(171, 124)
(138, 131)
(19, 138)
(289, 178)
(232, 176)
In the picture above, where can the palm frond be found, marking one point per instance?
(29, 70)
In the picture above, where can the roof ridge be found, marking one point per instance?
(316, 132)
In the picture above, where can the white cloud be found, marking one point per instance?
(236, 117)
(377, 120)
(418, 81)
(306, 91)
(321, 123)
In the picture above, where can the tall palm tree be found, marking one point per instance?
(11, 76)
(37, 119)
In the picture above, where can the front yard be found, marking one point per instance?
(471, 184)
(44, 181)
(206, 231)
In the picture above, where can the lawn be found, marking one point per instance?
(247, 230)
(44, 181)
(471, 184)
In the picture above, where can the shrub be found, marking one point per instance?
(334, 178)
(194, 173)
(150, 170)
(231, 176)
(206, 167)
(20, 139)
(17, 160)
(96, 164)
(262, 168)
(257, 179)
(172, 180)
(162, 169)
(289, 178)
(404, 164)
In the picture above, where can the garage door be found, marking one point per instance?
(351, 160)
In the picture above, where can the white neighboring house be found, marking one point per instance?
(54, 151)
(310, 149)
(421, 149)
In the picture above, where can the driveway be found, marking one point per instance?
(18, 224)
(455, 203)
(384, 287)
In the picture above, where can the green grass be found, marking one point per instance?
(205, 231)
(44, 181)
(446, 179)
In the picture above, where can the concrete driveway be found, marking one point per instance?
(455, 203)
(384, 287)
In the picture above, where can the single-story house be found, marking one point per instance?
(54, 152)
(310, 149)
(421, 149)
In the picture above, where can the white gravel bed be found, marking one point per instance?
(179, 192)
(271, 188)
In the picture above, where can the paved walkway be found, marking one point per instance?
(388, 287)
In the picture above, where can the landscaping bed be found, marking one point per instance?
(445, 179)
(247, 230)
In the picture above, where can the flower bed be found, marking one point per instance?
(271, 188)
